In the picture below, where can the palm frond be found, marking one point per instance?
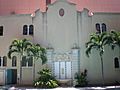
(37, 52)
(43, 58)
(12, 46)
(114, 33)
(16, 41)
(89, 49)
(11, 52)
(97, 41)
(107, 39)
(94, 37)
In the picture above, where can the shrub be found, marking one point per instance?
(45, 80)
(81, 79)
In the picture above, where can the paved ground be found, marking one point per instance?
(60, 88)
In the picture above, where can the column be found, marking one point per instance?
(75, 61)
(50, 58)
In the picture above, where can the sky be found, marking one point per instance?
(30, 6)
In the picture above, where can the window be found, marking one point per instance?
(31, 30)
(27, 61)
(30, 61)
(4, 61)
(100, 27)
(97, 27)
(0, 61)
(25, 30)
(14, 61)
(1, 30)
(24, 60)
(116, 62)
(103, 27)
(61, 12)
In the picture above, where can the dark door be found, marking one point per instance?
(14, 76)
(11, 77)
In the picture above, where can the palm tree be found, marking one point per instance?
(19, 47)
(37, 52)
(97, 41)
(115, 40)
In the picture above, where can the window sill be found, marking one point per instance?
(27, 67)
(117, 69)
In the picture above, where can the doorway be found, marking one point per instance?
(62, 69)
(11, 76)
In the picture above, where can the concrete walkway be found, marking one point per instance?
(60, 88)
(69, 88)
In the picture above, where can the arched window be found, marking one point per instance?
(31, 30)
(0, 61)
(97, 27)
(24, 60)
(4, 61)
(14, 61)
(25, 30)
(1, 30)
(104, 27)
(30, 61)
(116, 62)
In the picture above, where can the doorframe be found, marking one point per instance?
(60, 70)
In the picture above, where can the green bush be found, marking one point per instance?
(81, 79)
(46, 80)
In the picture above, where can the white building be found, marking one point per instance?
(65, 31)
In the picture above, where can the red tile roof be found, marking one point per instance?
(29, 6)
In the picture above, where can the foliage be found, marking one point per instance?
(81, 78)
(19, 46)
(46, 80)
(115, 39)
(37, 52)
(98, 42)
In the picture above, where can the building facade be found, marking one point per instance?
(64, 31)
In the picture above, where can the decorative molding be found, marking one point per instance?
(50, 47)
(61, 12)
(75, 46)
(62, 57)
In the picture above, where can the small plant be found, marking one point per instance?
(46, 80)
(81, 79)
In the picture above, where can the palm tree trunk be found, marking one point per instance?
(33, 69)
(20, 69)
(119, 52)
(103, 81)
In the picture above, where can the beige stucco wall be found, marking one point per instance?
(62, 30)
(39, 26)
(12, 29)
